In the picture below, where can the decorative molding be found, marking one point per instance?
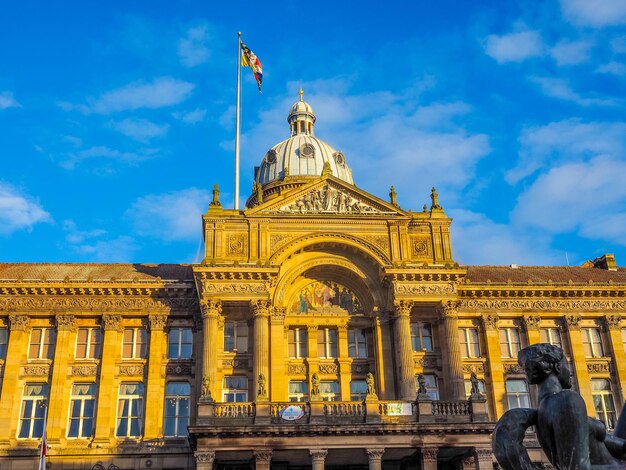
(241, 287)
(490, 322)
(421, 246)
(613, 322)
(424, 289)
(262, 455)
(374, 454)
(179, 369)
(573, 322)
(532, 322)
(296, 369)
(477, 367)
(328, 368)
(448, 310)
(82, 303)
(429, 454)
(278, 314)
(381, 241)
(278, 239)
(37, 370)
(513, 369)
(429, 362)
(84, 370)
(543, 305)
(358, 368)
(599, 367)
(157, 322)
(66, 322)
(402, 307)
(235, 363)
(484, 454)
(318, 455)
(19, 322)
(210, 307)
(260, 308)
(131, 370)
(112, 322)
(237, 244)
(204, 457)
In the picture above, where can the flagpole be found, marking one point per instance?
(238, 121)
(43, 452)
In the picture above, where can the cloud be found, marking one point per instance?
(19, 211)
(596, 13)
(561, 89)
(571, 52)
(7, 101)
(514, 47)
(94, 246)
(171, 216)
(141, 130)
(613, 68)
(190, 117)
(159, 93)
(192, 49)
(544, 145)
(99, 152)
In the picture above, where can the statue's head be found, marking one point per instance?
(542, 360)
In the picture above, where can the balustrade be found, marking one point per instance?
(451, 408)
(234, 410)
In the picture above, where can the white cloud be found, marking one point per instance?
(141, 130)
(571, 52)
(596, 13)
(175, 215)
(103, 153)
(8, 101)
(514, 47)
(190, 117)
(94, 246)
(159, 93)
(19, 211)
(193, 48)
(561, 89)
(613, 68)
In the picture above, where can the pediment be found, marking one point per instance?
(328, 196)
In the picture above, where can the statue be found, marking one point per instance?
(206, 390)
(371, 388)
(315, 385)
(262, 391)
(216, 197)
(569, 438)
(393, 196)
(421, 386)
(475, 391)
(435, 199)
(257, 188)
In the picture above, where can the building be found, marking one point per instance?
(324, 328)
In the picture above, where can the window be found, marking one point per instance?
(552, 336)
(130, 410)
(298, 390)
(517, 394)
(421, 337)
(33, 411)
(88, 343)
(82, 410)
(357, 346)
(4, 341)
(297, 341)
(179, 343)
(469, 342)
(432, 385)
(326, 343)
(509, 342)
(592, 342)
(135, 343)
(235, 388)
(358, 390)
(41, 343)
(468, 388)
(236, 336)
(603, 402)
(329, 390)
(176, 419)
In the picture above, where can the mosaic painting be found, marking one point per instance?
(319, 296)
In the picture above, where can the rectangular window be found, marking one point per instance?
(130, 410)
(329, 390)
(297, 341)
(41, 343)
(551, 336)
(82, 410)
(509, 342)
(517, 394)
(135, 344)
(358, 390)
(33, 411)
(236, 336)
(603, 402)
(235, 388)
(421, 337)
(4, 341)
(88, 343)
(431, 383)
(470, 346)
(177, 407)
(326, 343)
(592, 342)
(298, 390)
(179, 343)
(357, 346)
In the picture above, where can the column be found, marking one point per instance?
(579, 366)
(211, 310)
(492, 341)
(204, 459)
(107, 385)
(532, 322)
(261, 313)
(429, 458)
(483, 459)
(404, 351)
(262, 458)
(318, 457)
(345, 362)
(278, 376)
(155, 388)
(452, 363)
(19, 328)
(375, 458)
(59, 394)
(614, 328)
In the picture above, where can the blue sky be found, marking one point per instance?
(116, 119)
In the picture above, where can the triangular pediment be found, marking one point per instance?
(327, 196)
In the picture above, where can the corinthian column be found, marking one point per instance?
(452, 364)
(261, 313)
(404, 351)
(211, 310)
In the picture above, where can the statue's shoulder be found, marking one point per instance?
(566, 401)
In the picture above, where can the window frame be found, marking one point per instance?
(509, 353)
(357, 343)
(608, 417)
(418, 336)
(4, 342)
(136, 342)
(517, 394)
(467, 349)
(299, 342)
(82, 399)
(592, 349)
(549, 336)
(132, 398)
(37, 402)
(51, 344)
(98, 344)
(238, 335)
(177, 418)
(236, 392)
(180, 343)
(298, 396)
(329, 345)
(330, 396)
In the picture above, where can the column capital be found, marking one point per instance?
(490, 321)
(19, 322)
(448, 309)
(430, 454)
(613, 322)
(402, 308)
(531, 322)
(262, 455)
(483, 454)
(573, 322)
(278, 314)
(204, 457)
(65, 322)
(157, 322)
(260, 308)
(112, 322)
(374, 454)
(210, 307)
(318, 455)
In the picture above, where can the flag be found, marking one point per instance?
(44, 444)
(249, 59)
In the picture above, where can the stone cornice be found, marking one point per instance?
(543, 305)
(566, 291)
(84, 303)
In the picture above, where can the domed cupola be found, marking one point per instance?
(300, 158)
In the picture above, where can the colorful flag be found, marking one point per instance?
(249, 59)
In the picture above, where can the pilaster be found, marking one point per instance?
(492, 341)
(156, 378)
(278, 376)
(345, 362)
(452, 363)
(261, 313)
(483, 459)
(262, 458)
(429, 458)
(204, 459)
(404, 351)
(531, 325)
(614, 328)
(574, 334)
(211, 311)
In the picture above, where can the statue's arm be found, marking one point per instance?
(508, 436)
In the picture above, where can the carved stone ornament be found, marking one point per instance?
(210, 307)
(613, 322)
(448, 309)
(65, 322)
(260, 308)
(599, 367)
(428, 362)
(85, 371)
(532, 322)
(235, 363)
(490, 322)
(360, 368)
(112, 322)
(157, 322)
(381, 241)
(100, 303)
(241, 287)
(477, 367)
(544, 305)
(131, 370)
(402, 307)
(296, 369)
(19, 322)
(420, 246)
(484, 454)
(513, 369)
(318, 455)
(328, 368)
(424, 289)
(204, 457)
(178, 369)
(374, 454)
(278, 314)
(430, 454)
(572, 322)
(262, 455)
(36, 371)
(278, 239)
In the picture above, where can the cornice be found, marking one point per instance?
(539, 304)
(30, 302)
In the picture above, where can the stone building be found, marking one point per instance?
(324, 328)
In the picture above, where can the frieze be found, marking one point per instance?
(85, 370)
(543, 305)
(328, 368)
(235, 363)
(381, 241)
(178, 369)
(513, 369)
(278, 239)
(18, 322)
(360, 368)
(424, 289)
(95, 303)
(296, 369)
(420, 246)
(476, 367)
(599, 367)
(38, 370)
(236, 287)
(131, 370)
(430, 362)
(237, 244)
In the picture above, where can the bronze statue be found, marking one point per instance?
(569, 438)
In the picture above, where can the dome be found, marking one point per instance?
(302, 154)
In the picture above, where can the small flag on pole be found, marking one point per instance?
(249, 59)
(44, 444)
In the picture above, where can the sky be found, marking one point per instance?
(117, 118)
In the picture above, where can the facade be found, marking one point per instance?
(324, 328)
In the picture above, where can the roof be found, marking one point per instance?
(544, 275)
(96, 272)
